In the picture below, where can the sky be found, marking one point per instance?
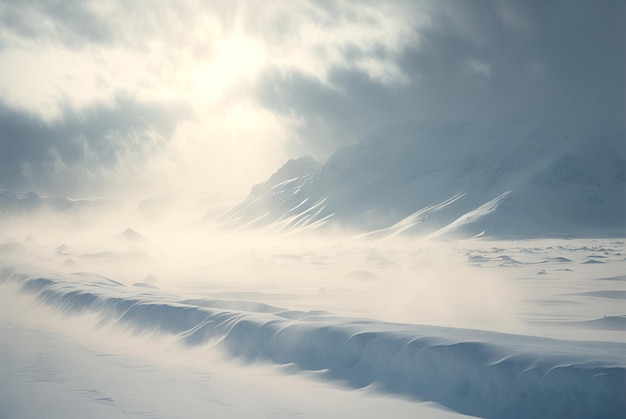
(133, 97)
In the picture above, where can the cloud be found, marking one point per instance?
(73, 22)
(479, 68)
(81, 150)
(207, 56)
(93, 51)
(365, 37)
(531, 61)
(330, 116)
(253, 83)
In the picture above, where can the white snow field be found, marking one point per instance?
(252, 325)
(428, 271)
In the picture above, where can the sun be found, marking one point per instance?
(235, 60)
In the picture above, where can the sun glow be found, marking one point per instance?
(236, 59)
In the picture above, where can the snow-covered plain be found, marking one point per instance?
(390, 280)
(151, 323)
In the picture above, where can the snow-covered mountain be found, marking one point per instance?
(30, 202)
(465, 179)
(17, 203)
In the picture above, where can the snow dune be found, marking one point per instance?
(474, 372)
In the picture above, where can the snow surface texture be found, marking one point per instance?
(159, 384)
(518, 180)
(494, 329)
(474, 372)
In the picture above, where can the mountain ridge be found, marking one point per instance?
(464, 179)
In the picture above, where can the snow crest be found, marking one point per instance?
(480, 373)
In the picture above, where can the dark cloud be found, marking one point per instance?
(78, 23)
(371, 64)
(334, 116)
(74, 153)
(475, 60)
(71, 22)
(544, 56)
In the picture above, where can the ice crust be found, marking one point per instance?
(486, 374)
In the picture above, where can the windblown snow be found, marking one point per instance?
(334, 290)
(488, 329)
(480, 373)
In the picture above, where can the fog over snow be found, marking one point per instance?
(312, 209)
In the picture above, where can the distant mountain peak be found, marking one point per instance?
(465, 179)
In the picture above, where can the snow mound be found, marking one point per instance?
(605, 323)
(474, 372)
(131, 235)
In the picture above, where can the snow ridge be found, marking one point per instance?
(480, 373)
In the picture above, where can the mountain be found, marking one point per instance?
(11, 203)
(465, 179)
(288, 199)
(30, 202)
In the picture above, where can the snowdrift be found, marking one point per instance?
(480, 373)
(508, 180)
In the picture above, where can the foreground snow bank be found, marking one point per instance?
(474, 372)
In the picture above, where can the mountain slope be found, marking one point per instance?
(24, 204)
(11, 203)
(514, 180)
